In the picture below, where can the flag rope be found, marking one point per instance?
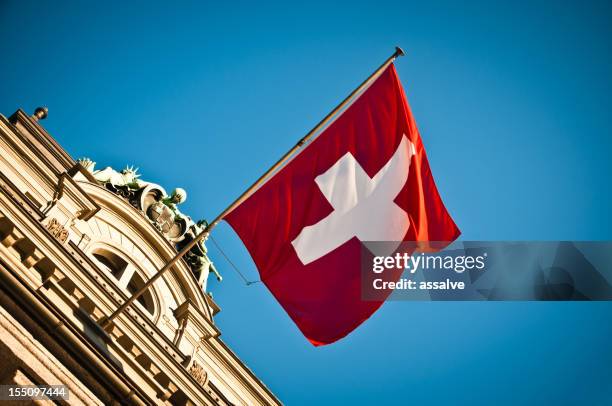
(229, 261)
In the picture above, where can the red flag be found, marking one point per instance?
(365, 178)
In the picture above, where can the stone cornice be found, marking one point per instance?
(188, 311)
(56, 156)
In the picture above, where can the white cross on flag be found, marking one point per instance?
(365, 178)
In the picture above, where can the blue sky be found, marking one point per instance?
(513, 103)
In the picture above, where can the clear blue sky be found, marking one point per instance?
(513, 103)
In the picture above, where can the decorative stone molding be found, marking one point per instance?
(194, 325)
(198, 373)
(57, 230)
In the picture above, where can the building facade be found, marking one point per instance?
(75, 242)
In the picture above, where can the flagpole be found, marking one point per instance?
(105, 322)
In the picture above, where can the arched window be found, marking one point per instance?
(111, 262)
(125, 274)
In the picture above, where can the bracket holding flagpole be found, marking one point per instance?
(106, 322)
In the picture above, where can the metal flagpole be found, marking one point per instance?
(105, 322)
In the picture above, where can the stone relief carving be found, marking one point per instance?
(57, 230)
(198, 373)
(161, 210)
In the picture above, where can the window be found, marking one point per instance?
(125, 274)
(111, 262)
(146, 299)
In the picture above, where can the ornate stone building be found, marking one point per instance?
(75, 242)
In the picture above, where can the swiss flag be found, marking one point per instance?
(365, 178)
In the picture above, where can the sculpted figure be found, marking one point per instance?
(177, 197)
(127, 177)
(163, 212)
(87, 164)
(197, 229)
(197, 257)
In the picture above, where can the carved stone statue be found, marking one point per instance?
(162, 211)
(177, 197)
(197, 257)
(87, 164)
(166, 215)
(127, 177)
(162, 217)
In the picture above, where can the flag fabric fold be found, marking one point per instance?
(365, 177)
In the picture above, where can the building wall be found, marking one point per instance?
(53, 218)
(26, 360)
